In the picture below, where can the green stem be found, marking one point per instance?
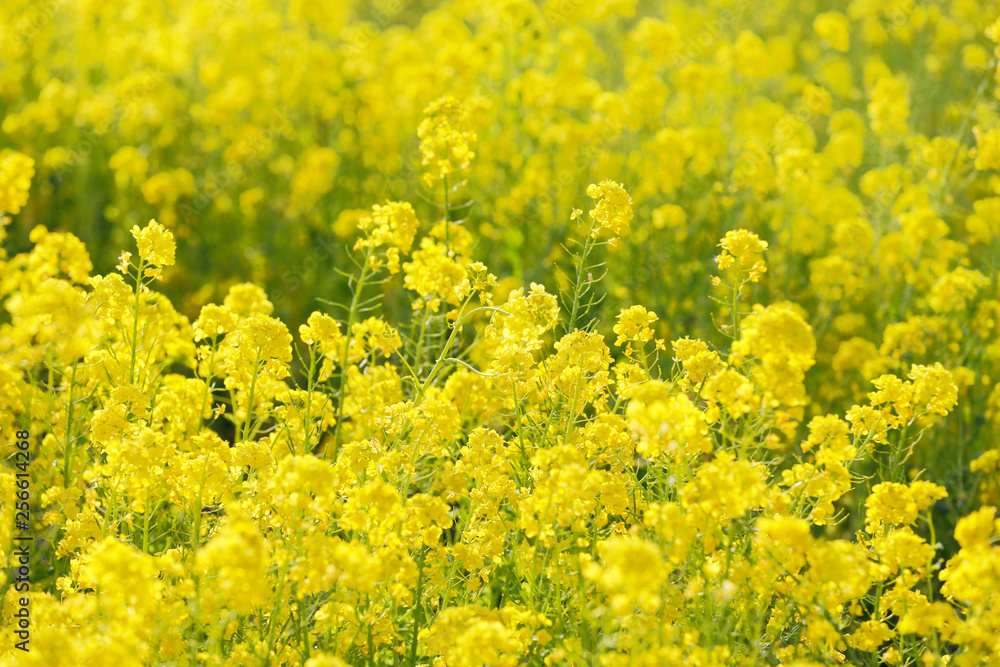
(990, 73)
(588, 245)
(444, 353)
(208, 386)
(68, 437)
(307, 421)
(145, 528)
(417, 609)
(735, 308)
(447, 214)
(250, 397)
(351, 314)
(135, 321)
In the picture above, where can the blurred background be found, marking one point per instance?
(259, 131)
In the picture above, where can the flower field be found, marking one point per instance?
(499, 334)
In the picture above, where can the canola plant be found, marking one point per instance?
(463, 334)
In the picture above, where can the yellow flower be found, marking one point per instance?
(898, 504)
(934, 386)
(613, 211)
(260, 346)
(394, 224)
(324, 332)
(750, 55)
(870, 636)
(630, 573)
(889, 106)
(725, 488)
(476, 636)
(666, 424)
(373, 334)
(245, 299)
(240, 558)
(156, 244)
(987, 148)
(314, 177)
(830, 435)
(743, 250)
(634, 324)
(16, 172)
(478, 280)
(435, 274)
(783, 347)
(698, 361)
(325, 660)
(835, 30)
(446, 139)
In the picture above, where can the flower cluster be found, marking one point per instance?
(613, 211)
(452, 429)
(16, 171)
(446, 139)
